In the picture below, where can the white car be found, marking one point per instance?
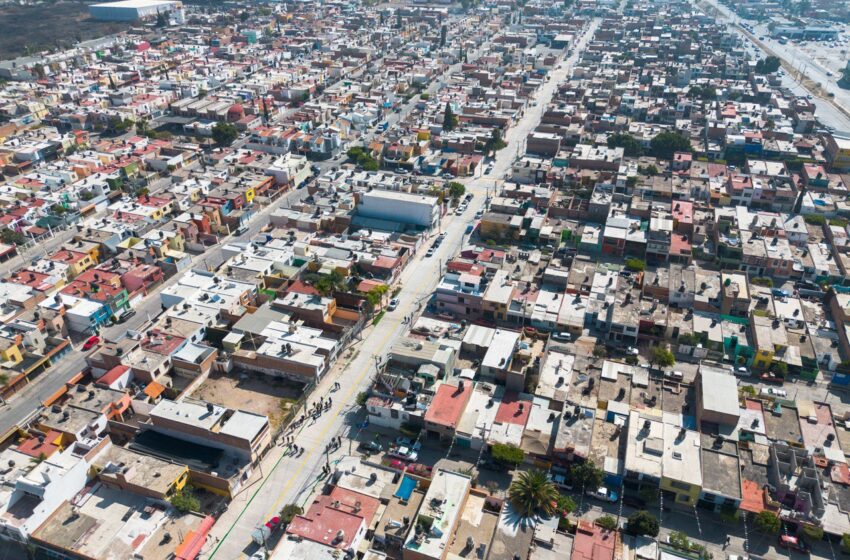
(632, 351)
(677, 375)
(773, 392)
(603, 494)
(393, 304)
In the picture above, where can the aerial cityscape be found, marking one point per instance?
(424, 280)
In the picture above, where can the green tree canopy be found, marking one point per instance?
(507, 454)
(185, 500)
(456, 190)
(768, 65)
(631, 147)
(667, 143)
(767, 522)
(224, 133)
(587, 475)
(449, 118)
(642, 523)
(662, 357)
(532, 493)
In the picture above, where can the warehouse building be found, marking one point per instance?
(402, 208)
(132, 10)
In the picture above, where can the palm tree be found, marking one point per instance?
(40, 459)
(533, 492)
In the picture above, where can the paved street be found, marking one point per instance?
(827, 112)
(30, 398)
(288, 479)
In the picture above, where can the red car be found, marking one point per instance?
(792, 543)
(91, 342)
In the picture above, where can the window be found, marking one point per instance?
(393, 413)
(680, 485)
(683, 498)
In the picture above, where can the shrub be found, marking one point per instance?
(362, 397)
(813, 533)
(635, 265)
(607, 522)
(288, 513)
(762, 281)
(185, 500)
(507, 454)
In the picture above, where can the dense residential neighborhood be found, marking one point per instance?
(505, 280)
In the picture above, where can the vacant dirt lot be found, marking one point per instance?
(251, 392)
(30, 29)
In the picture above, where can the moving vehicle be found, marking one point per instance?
(430, 252)
(91, 342)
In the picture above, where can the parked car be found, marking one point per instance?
(634, 501)
(405, 453)
(792, 543)
(773, 392)
(562, 336)
(561, 481)
(126, 315)
(741, 371)
(674, 375)
(91, 342)
(632, 351)
(240, 231)
(603, 494)
(402, 441)
(430, 252)
(393, 304)
(371, 446)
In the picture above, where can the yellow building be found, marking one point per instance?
(681, 467)
(770, 339)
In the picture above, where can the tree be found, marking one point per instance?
(185, 500)
(767, 522)
(667, 143)
(362, 397)
(768, 65)
(443, 33)
(508, 455)
(449, 118)
(288, 513)
(243, 16)
(587, 475)
(635, 265)
(650, 170)
(161, 19)
(662, 357)
(607, 522)
(845, 542)
(642, 523)
(38, 460)
(532, 492)
(599, 351)
(224, 133)
(631, 147)
(495, 142)
(11, 236)
(456, 190)
(566, 505)
(376, 295)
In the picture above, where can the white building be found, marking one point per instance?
(132, 10)
(404, 208)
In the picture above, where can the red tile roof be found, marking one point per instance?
(448, 404)
(513, 410)
(593, 543)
